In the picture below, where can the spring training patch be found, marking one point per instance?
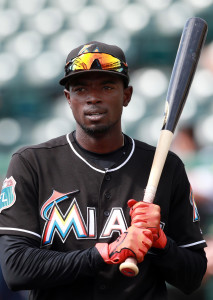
(196, 216)
(8, 195)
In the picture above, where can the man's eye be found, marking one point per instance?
(108, 87)
(80, 89)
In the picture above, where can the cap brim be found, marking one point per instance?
(65, 79)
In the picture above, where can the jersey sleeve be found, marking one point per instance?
(18, 200)
(184, 220)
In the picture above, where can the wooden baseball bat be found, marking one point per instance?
(188, 54)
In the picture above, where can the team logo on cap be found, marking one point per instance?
(8, 195)
(196, 216)
(88, 48)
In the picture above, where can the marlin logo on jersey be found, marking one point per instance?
(56, 221)
(8, 195)
(55, 198)
(62, 224)
(196, 216)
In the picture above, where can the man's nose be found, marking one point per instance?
(94, 98)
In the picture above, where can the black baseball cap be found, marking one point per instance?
(96, 47)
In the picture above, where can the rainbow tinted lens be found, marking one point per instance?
(103, 61)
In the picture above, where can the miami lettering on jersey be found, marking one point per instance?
(8, 195)
(62, 224)
(196, 216)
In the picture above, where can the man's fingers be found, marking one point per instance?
(146, 221)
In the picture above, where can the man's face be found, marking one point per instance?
(97, 101)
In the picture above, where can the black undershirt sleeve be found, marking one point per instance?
(25, 266)
(183, 268)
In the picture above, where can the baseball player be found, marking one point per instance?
(65, 225)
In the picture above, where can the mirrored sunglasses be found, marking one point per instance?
(103, 61)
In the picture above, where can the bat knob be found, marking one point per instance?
(129, 267)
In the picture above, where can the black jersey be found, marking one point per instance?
(55, 194)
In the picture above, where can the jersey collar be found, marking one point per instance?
(71, 142)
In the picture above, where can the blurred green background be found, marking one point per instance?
(37, 35)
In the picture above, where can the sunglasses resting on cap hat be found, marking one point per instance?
(95, 56)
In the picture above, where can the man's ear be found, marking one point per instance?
(67, 95)
(127, 95)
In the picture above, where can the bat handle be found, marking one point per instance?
(129, 267)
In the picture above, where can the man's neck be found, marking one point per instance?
(100, 144)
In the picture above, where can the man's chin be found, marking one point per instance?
(96, 131)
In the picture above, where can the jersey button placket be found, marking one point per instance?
(107, 196)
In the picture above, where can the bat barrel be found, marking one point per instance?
(191, 43)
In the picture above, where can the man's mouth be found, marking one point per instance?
(95, 116)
